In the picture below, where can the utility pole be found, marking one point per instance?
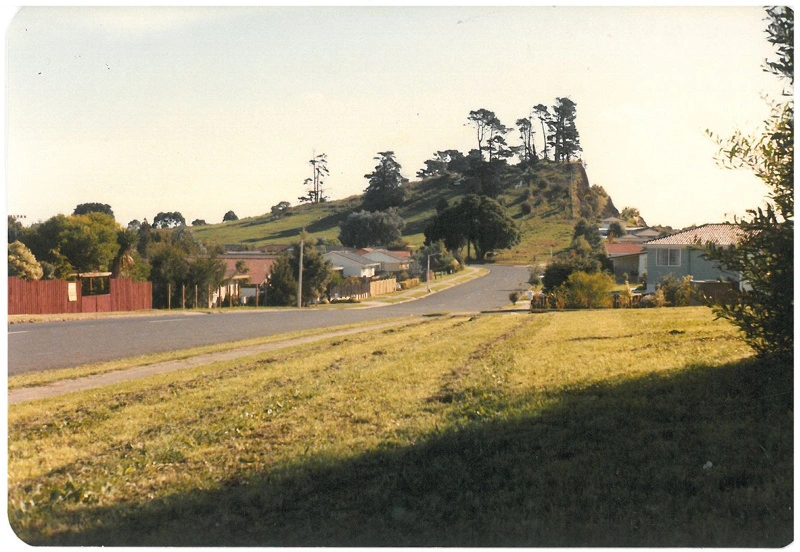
(428, 274)
(300, 279)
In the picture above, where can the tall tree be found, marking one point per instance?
(526, 133)
(319, 171)
(543, 114)
(363, 229)
(230, 216)
(478, 221)
(385, 187)
(765, 255)
(169, 219)
(564, 138)
(85, 208)
(490, 133)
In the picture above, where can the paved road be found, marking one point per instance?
(46, 346)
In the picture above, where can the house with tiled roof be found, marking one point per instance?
(683, 254)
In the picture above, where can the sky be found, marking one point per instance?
(206, 110)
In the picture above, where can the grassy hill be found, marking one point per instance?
(544, 201)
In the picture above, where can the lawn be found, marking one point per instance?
(596, 428)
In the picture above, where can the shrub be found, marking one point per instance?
(527, 208)
(513, 296)
(677, 293)
(590, 290)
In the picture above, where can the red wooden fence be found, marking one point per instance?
(53, 297)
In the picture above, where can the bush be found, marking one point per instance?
(408, 284)
(590, 290)
(527, 208)
(677, 293)
(513, 296)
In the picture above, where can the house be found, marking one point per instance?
(352, 264)
(390, 261)
(256, 264)
(682, 254)
(606, 223)
(245, 285)
(628, 258)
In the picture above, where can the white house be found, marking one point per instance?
(390, 261)
(352, 264)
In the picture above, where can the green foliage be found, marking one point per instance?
(79, 243)
(124, 262)
(204, 272)
(319, 170)
(22, 263)
(85, 208)
(615, 230)
(764, 257)
(677, 291)
(476, 220)
(589, 231)
(169, 219)
(440, 258)
(559, 271)
(317, 274)
(281, 209)
(363, 229)
(564, 138)
(15, 229)
(282, 283)
(385, 187)
(589, 290)
(169, 268)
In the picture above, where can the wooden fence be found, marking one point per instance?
(60, 297)
(363, 289)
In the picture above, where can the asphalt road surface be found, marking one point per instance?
(46, 346)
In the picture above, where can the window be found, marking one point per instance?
(668, 257)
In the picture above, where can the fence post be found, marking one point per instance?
(169, 296)
(195, 296)
(183, 296)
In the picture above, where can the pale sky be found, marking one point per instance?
(206, 110)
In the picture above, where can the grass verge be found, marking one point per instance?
(43, 378)
(607, 428)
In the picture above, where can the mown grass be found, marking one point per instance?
(603, 428)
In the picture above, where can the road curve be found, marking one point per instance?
(46, 346)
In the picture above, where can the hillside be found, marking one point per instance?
(555, 195)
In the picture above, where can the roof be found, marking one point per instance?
(718, 234)
(258, 267)
(372, 253)
(353, 257)
(616, 249)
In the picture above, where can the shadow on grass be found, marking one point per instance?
(701, 458)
